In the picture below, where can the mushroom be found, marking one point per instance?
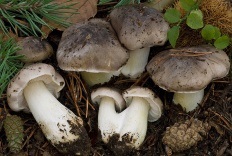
(138, 28)
(111, 103)
(35, 89)
(187, 71)
(92, 48)
(125, 130)
(34, 49)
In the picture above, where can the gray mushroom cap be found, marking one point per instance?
(91, 46)
(34, 72)
(34, 49)
(139, 26)
(188, 69)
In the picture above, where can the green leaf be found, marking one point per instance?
(173, 35)
(195, 19)
(222, 42)
(172, 15)
(208, 32)
(188, 5)
(217, 32)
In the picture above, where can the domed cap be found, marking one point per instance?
(188, 69)
(34, 49)
(97, 94)
(139, 26)
(156, 105)
(34, 72)
(91, 46)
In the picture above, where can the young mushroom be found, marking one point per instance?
(35, 89)
(91, 48)
(138, 28)
(111, 103)
(125, 130)
(187, 72)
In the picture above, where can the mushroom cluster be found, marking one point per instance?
(125, 129)
(96, 49)
(100, 49)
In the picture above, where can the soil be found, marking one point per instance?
(216, 109)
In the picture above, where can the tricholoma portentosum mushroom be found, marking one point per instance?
(91, 48)
(187, 71)
(35, 89)
(138, 28)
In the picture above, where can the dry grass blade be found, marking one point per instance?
(77, 94)
(141, 80)
(223, 119)
(189, 53)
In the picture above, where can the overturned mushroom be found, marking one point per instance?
(187, 71)
(93, 49)
(138, 28)
(35, 89)
(125, 130)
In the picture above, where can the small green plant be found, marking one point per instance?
(10, 63)
(194, 19)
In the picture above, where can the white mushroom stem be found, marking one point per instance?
(188, 101)
(55, 120)
(132, 122)
(136, 63)
(97, 78)
(135, 123)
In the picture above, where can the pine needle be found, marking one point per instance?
(120, 3)
(9, 62)
(27, 16)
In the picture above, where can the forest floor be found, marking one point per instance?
(216, 109)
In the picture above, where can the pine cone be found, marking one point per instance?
(13, 126)
(182, 136)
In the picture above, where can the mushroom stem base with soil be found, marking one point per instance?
(136, 63)
(135, 124)
(109, 121)
(59, 125)
(130, 125)
(188, 101)
(97, 78)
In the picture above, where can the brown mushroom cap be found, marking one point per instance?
(188, 69)
(139, 26)
(34, 49)
(91, 46)
(34, 72)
